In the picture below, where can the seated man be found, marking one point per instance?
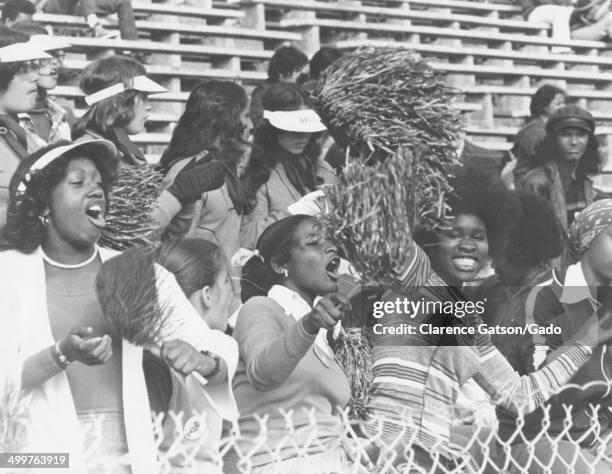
(17, 10)
(92, 9)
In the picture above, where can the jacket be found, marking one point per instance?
(273, 198)
(546, 181)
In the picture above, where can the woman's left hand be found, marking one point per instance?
(182, 356)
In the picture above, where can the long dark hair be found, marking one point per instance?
(212, 111)
(589, 162)
(266, 152)
(195, 263)
(116, 111)
(274, 245)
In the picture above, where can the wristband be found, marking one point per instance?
(60, 359)
(217, 367)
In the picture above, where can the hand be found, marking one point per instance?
(312, 204)
(183, 358)
(196, 179)
(327, 312)
(80, 346)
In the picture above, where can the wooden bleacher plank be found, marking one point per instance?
(483, 52)
(185, 73)
(164, 27)
(187, 10)
(462, 5)
(89, 44)
(437, 32)
(402, 13)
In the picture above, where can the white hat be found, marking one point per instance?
(21, 52)
(139, 83)
(49, 42)
(305, 120)
(105, 155)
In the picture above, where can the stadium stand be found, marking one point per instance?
(484, 48)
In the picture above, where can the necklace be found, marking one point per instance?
(57, 264)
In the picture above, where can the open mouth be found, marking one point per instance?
(95, 212)
(465, 264)
(332, 267)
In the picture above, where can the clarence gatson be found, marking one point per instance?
(411, 308)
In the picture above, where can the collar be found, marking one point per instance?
(575, 286)
(293, 304)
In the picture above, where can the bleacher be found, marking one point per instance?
(485, 49)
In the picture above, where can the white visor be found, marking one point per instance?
(139, 83)
(21, 52)
(49, 43)
(305, 121)
(55, 153)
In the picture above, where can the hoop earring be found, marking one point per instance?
(44, 220)
(285, 272)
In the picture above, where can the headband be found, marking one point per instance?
(21, 52)
(589, 223)
(304, 121)
(139, 83)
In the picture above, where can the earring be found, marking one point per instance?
(44, 220)
(285, 272)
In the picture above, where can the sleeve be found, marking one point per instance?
(271, 350)
(89, 7)
(523, 394)
(171, 219)
(254, 223)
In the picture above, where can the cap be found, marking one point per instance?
(139, 83)
(304, 121)
(570, 116)
(20, 52)
(102, 152)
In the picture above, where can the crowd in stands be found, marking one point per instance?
(237, 229)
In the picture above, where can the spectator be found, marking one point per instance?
(215, 129)
(286, 364)
(544, 102)
(286, 65)
(48, 120)
(202, 272)
(62, 340)
(565, 159)
(284, 166)
(116, 91)
(556, 13)
(567, 301)
(92, 10)
(320, 61)
(416, 405)
(14, 11)
(591, 20)
(18, 90)
(521, 267)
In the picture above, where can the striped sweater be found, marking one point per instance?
(416, 379)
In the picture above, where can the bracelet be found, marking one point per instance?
(217, 367)
(60, 359)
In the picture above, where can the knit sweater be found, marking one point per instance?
(282, 369)
(416, 379)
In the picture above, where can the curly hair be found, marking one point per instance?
(266, 153)
(212, 112)
(477, 193)
(542, 98)
(115, 111)
(24, 229)
(537, 236)
(285, 61)
(589, 162)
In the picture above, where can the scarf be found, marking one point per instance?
(130, 153)
(589, 223)
(14, 135)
